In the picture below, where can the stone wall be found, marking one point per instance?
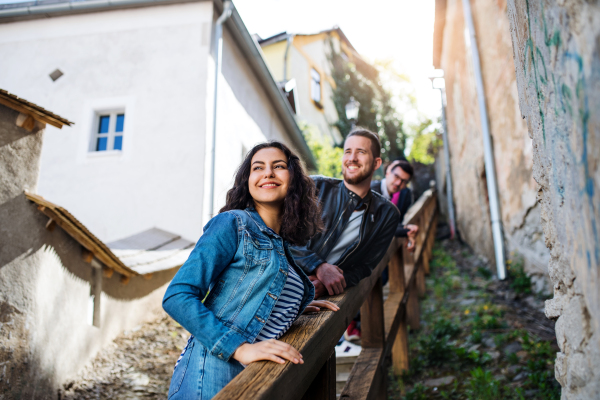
(512, 147)
(557, 57)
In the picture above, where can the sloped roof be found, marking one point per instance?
(140, 254)
(152, 250)
(41, 114)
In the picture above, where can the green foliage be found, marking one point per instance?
(483, 386)
(520, 281)
(418, 392)
(377, 110)
(476, 337)
(484, 272)
(426, 142)
(329, 158)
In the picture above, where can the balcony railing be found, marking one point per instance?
(384, 328)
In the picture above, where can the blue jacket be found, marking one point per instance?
(244, 265)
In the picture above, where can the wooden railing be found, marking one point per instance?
(384, 328)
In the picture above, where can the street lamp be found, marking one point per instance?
(352, 111)
(438, 82)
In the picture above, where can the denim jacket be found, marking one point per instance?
(244, 265)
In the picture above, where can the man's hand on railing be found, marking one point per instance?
(331, 277)
(320, 290)
(315, 306)
(412, 234)
(269, 350)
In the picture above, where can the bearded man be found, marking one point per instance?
(359, 223)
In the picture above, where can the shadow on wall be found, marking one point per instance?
(30, 235)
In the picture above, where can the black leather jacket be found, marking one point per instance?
(404, 202)
(377, 229)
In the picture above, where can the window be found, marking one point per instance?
(315, 86)
(109, 131)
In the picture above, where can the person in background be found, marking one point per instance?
(240, 290)
(394, 188)
(359, 222)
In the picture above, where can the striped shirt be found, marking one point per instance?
(286, 308)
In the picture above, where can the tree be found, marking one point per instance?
(328, 158)
(358, 79)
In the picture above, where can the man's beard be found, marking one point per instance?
(366, 174)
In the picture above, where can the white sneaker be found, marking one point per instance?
(347, 349)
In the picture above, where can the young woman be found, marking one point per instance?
(242, 261)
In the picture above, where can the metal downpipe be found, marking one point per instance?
(449, 194)
(490, 169)
(290, 40)
(227, 10)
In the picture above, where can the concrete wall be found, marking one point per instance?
(45, 337)
(557, 58)
(512, 147)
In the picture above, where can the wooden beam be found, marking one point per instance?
(125, 279)
(323, 386)
(107, 272)
(37, 114)
(365, 380)
(371, 318)
(87, 255)
(84, 240)
(51, 224)
(315, 336)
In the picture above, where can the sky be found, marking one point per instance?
(398, 30)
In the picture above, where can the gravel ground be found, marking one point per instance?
(137, 365)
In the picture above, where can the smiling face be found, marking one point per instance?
(269, 177)
(358, 162)
(396, 179)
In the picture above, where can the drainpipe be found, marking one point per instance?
(227, 10)
(449, 194)
(490, 169)
(290, 39)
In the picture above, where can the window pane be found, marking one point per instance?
(118, 143)
(103, 125)
(101, 144)
(120, 122)
(315, 75)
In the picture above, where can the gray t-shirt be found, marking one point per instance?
(349, 235)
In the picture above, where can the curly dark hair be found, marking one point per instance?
(301, 218)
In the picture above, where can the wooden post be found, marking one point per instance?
(373, 333)
(323, 386)
(421, 279)
(413, 317)
(396, 269)
(400, 354)
(371, 318)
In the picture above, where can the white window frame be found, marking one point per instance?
(315, 81)
(110, 135)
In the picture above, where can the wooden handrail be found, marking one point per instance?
(384, 329)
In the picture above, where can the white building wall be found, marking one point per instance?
(245, 117)
(152, 62)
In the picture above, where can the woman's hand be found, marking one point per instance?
(315, 306)
(270, 350)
